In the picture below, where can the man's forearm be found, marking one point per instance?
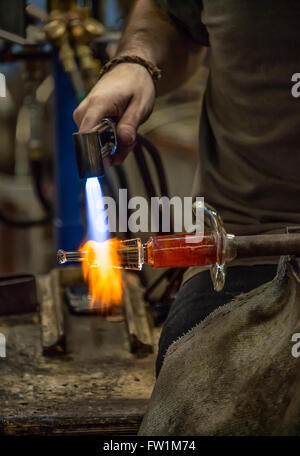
(150, 34)
(126, 92)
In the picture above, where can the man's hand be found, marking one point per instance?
(126, 92)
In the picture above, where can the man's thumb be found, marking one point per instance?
(126, 134)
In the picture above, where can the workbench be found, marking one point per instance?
(96, 387)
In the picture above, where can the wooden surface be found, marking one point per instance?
(51, 313)
(98, 386)
(138, 326)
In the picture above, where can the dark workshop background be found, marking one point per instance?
(64, 370)
(173, 128)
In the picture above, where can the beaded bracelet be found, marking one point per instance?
(153, 70)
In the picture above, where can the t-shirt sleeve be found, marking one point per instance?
(187, 15)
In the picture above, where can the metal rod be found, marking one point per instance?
(267, 245)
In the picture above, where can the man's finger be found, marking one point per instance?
(128, 125)
(80, 111)
(92, 117)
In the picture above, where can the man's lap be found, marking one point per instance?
(197, 299)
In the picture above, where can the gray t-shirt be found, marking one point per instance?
(250, 124)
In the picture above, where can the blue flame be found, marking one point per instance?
(96, 215)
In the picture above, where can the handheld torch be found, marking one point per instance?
(94, 145)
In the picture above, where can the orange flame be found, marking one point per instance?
(100, 270)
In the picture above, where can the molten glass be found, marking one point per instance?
(102, 260)
(179, 250)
